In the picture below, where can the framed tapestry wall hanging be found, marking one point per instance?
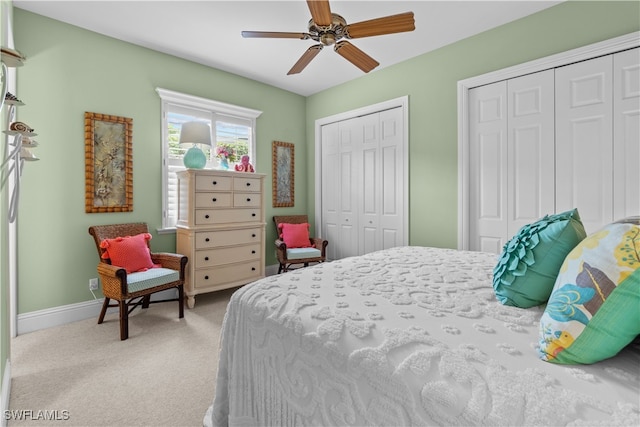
(108, 163)
(282, 158)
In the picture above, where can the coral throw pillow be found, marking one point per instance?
(130, 252)
(295, 235)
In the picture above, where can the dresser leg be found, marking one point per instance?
(191, 301)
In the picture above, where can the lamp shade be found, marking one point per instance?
(195, 133)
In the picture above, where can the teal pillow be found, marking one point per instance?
(594, 309)
(527, 269)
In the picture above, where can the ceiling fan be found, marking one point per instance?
(330, 28)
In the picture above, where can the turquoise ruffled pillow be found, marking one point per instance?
(529, 264)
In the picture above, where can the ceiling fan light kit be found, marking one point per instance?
(329, 28)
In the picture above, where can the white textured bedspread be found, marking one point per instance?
(405, 336)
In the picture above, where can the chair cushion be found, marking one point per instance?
(295, 235)
(527, 269)
(301, 253)
(594, 309)
(129, 252)
(150, 278)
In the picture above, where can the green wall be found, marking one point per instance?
(430, 81)
(70, 71)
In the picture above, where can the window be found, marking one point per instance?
(232, 127)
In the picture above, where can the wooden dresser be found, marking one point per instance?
(221, 228)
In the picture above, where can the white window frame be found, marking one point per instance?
(216, 108)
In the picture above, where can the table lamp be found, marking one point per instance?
(195, 133)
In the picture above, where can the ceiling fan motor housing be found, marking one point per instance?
(328, 34)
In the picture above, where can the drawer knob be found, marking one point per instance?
(248, 184)
(253, 252)
(215, 182)
(206, 239)
(253, 269)
(214, 199)
(248, 199)
(253, 235)
(206, 258)
(207, 216)
(206, 277)
(253, 214)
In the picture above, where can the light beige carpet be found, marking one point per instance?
(163, 375)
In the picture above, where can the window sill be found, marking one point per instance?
(167, 230)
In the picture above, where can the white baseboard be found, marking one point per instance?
(56, 316)
(271, 270)
(6, 391)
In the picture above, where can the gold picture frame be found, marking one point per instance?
(108, 163)
(282, 158)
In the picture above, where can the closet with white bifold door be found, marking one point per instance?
(554, 140)
(363, 184)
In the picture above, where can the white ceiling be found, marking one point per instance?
(208, 32)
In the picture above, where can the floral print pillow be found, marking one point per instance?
(594, 309)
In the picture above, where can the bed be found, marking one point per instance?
(404, 336)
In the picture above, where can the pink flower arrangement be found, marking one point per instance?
(223, 152)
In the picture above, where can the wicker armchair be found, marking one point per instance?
(288, 257)
(117, 284)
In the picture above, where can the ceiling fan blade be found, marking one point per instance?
(379, 26)
(304, 60)
(320, 12)
(274, 35)
(356, 56)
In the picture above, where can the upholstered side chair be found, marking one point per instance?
(131, 289)
(288, 256)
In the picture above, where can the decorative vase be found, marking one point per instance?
(224, 163)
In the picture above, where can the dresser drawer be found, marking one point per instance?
(213, 200)
(247, 184)
(246, 200)
(213, 239)
(229, 273)
(226, 216)
(214, 257)
(213, 183)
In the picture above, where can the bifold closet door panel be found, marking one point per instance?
(626, 131)
(488, 191)
(584, 140)
(330, 197)
(390, 206)
(339, 141)
(531, 149)
(370, 183)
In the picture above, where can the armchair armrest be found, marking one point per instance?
(170, 260)
(281, 244)
(281, 250)
(114, 279)
(319, 243)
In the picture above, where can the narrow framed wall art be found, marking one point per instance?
(283, 189)
(108, 163)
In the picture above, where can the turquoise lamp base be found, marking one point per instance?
(194, 158)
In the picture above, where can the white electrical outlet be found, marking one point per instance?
(93, 284)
